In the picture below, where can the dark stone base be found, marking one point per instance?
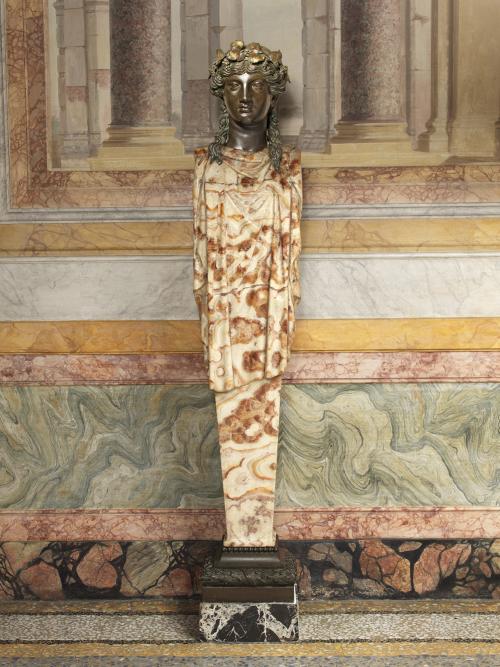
(253, 574)
(244, 557)
(253, 603)
(249, 621)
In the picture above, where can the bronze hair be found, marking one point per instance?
(251, 58)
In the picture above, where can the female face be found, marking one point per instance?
(247, 97)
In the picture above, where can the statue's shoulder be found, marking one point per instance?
(201, 163)
(291, 161)
(200, 154)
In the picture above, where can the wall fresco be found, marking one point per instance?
(340, 445)
(33, 185)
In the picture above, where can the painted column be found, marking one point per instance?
(206, 26)
(98, 70)
(74, 117)
(141, 135)
(441, 67)
(226, 26)
(61, 92)
(373, 124)
(316, 101)
(420, 72)
(140, 63)
(195, 59)
(335, 50)
(372, 60)
(476, 55)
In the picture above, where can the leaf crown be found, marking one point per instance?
(248, 58)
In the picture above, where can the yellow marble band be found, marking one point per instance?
(185, 607)
(175, 237)
(385, 649)
(183, 336)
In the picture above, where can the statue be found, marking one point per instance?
(247, 206)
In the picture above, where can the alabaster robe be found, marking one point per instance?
(246, 285)
(246, 251)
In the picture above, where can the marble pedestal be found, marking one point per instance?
(249, 604)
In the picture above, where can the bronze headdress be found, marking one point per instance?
(248, 58)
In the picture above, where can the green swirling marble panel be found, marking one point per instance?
(140, 446)
(390, 444)
(154, 446)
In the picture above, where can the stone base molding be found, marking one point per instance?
(138, 148)
(304, 367)
(315, 523)
(377, 143)
(475, 135)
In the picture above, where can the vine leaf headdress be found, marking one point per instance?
(250, 58)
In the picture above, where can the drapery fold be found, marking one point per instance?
(246, 275)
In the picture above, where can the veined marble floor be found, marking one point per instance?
(143, 634)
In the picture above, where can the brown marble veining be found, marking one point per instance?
(115, 577)
(339, 523)
(305, 367)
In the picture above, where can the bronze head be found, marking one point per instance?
(248, 79)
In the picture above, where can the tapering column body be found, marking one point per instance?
(140, 135)
(248, 419)
(373, 124)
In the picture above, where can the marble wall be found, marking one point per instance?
(389, 433)
(365, 445)
(326, 570)
(415, 285)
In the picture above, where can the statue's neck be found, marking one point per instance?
(249, 137)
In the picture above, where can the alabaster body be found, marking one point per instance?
(247, 196)
(246, 250)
